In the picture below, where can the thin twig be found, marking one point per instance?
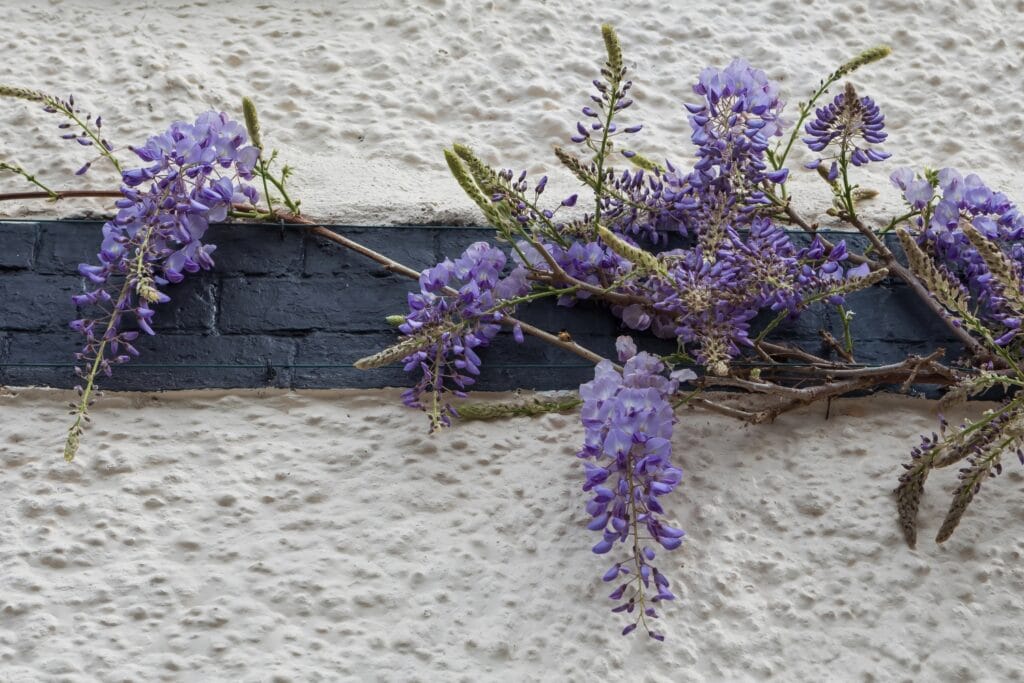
(772, 350)
(558, 277)
(729, 411)
(786, 398)
(834, 344)
(62, 194)
(396, 267)
(895, 267)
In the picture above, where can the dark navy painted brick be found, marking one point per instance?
(192, 308)
(289, 305)
(895, 313)
(582, 318)
(256, 249)
(5, 345)
(64, 245)
(162, 350)
(30, 301)
(283, 298)
(17, 245)
(451, 242)
(412, 247)
(341, 348)
(43, 347)
(193, 305)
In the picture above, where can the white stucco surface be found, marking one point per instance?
(324, 536)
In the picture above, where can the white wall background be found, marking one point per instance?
(326, 537)
(361, 96)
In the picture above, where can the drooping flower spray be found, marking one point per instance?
(459, 308)
(845, 132)
(735, 268)
(193, 174)
(627, 417)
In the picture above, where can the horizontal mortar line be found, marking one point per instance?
(291, 227)
(340, 226)
(341, 366)
(293, 366)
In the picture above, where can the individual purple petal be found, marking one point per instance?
(918, 193)
(625, 347)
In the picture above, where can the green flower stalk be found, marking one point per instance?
(522, 408)
(19, 170)
(89, 129)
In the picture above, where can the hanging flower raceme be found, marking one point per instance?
(708, 299)
(732, 127)
(85, 129)
(949, 204)
(608, 99)
(627, 451)
(458, 309)
(194, 173)
(846, 129)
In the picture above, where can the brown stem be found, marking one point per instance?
(396, 267)
(934, 373)
(729, 411)
(896, 268)
(834, 344)
(63, 194)
(560, 278)
(780, 350)
(786, 398)
(797, 219)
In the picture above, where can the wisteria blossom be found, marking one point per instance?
(627, 451)
(733, 272)
(948, 201)
(459, 308)
(846, 130)
(193, 173)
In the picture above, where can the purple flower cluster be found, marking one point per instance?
(740, 113)
(513, 193)
(850, 124)
(740, 263)
(457, 310)
(945, 201)
(194, 173)
(627, 448)
(708, 300)
(647, 205)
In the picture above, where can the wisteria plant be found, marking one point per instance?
(735, 273)
(191, 175)
(738, 268)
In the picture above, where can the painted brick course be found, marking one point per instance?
(286, 309)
